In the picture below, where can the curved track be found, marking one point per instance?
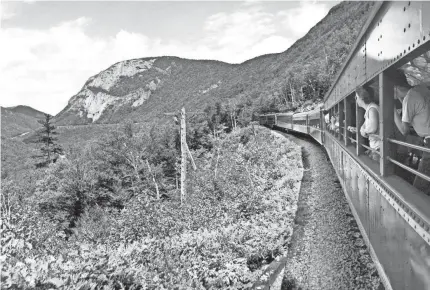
(327, 250)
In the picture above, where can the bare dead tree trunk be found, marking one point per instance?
(302, 93)
(216, 164)
(183, 155)
(153, 179)
(191, 157)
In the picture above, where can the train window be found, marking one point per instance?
(350, 121)
(326, 120)
(332, 121)
(341, 120)
(335, 120)
(314, 120)
(327, 116)
(411, 138)
(367, 116)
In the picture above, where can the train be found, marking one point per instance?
(393, 215)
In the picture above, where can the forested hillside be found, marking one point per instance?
(143, 89)
(107, 213)
(19, 120)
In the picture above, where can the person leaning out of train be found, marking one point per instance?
(334, 123)
(416, 114)
(327, 118)
(370, 127)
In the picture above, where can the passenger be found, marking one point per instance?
(327, 120)
(416, 113)
(335, 123)
(370, 127)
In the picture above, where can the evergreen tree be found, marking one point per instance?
(49, 149)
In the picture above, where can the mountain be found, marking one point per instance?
(144, 89)
(140, 88)
(28, 111)
(19, 120)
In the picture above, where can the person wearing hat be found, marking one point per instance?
(416, 114)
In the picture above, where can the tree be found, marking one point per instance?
(50, 148)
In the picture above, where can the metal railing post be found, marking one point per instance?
(341, 119)
(359, 120)
(386, 122)
(348, 115)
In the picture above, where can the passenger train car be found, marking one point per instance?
(393, 216)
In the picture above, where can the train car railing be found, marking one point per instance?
(378, 182)
(392, 214)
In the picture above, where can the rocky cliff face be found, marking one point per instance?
(142, 89)
(127, 89)
(104, 94)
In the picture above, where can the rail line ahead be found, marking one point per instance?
(392, 214)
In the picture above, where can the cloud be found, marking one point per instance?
(301, 19)
(45, 68)
(244, 34)
(6, 11)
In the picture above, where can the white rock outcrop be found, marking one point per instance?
(108, 78)
(92, 103)
(214, 86)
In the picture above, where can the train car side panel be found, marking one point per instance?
(400, 253)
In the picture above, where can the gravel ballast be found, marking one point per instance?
(327, 250)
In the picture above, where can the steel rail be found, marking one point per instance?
(422, 148)
(353, 140)
(423, 176)
(373, 150)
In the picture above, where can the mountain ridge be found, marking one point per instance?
(143, 88)
(19, 119)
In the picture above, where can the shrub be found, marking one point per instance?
(230, 224)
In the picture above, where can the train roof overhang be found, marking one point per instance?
(394, 34)
(360, 38)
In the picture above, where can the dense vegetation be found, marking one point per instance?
(94, 219)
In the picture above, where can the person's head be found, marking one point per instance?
(362, 97)
(401, 85)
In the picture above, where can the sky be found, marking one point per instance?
(49, 49)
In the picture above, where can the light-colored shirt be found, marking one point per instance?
(369, 126)
(416, 109)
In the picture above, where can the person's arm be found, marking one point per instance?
(404, 127)
(363, 130)
(376, 137)
(352, 129)
(403, 123)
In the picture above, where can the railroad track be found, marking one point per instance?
(327, 250)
